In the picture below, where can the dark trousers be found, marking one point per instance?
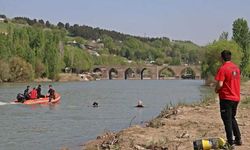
(51, 96)
(228, 111)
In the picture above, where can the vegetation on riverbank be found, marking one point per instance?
(38, 49)
(46, 49)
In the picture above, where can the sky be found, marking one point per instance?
(200, 21)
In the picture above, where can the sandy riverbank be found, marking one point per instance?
(177, 128)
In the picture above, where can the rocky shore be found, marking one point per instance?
(177, 128)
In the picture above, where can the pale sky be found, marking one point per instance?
(200, 21)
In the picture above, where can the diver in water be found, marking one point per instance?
(139, 104)
(95, 104)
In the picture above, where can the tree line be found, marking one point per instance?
(116, 43)
(32, 48)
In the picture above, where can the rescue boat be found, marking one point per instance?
(44, 100)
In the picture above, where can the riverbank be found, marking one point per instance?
(177, 128)
(67, 77)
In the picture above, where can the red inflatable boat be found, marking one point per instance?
(44, 100)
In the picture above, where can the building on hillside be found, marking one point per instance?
(93, 53)
(2, 19)
(76, 44)
(94, 46)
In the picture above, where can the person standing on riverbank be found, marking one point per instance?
(228, 88)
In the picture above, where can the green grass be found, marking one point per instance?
(3, 27)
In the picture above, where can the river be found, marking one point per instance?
(74, 120)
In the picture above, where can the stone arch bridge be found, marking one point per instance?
(145, 72)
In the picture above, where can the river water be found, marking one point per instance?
(74, 120)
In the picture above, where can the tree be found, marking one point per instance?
(47, 24)
(4, 47)
(41, 21)
(2, 16)
(67, 26)
(60, 25)
(242, 38)
(223, 36)
(109, 44)
(212, 61)
(4, 71)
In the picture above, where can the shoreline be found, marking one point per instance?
(175, 128)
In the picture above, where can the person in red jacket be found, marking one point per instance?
(228, 88)
(33, 94)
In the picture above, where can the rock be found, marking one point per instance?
(138, 147)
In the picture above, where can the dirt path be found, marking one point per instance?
(177, 128)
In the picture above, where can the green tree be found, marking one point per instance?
(241, 36)
(4, 71)
(51, 55)
(4, 48)
(60, 25)
(223, 36)
(109, 44)
(39, 68)
(212, 61)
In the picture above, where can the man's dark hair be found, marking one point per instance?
(226, 55)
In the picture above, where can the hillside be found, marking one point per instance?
(38, 43)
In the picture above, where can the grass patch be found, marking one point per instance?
(209, 98)
(3, 27)
(246, 102)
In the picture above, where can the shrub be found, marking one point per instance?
(4, 71)
(20, 70)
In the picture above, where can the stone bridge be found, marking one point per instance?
(146, 72)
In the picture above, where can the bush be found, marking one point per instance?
(20, 70)
(4, 71)
(39, 68)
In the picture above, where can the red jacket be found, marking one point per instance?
(229, 73)
(33, 94)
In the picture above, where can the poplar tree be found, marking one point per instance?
(241, 37)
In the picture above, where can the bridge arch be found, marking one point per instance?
(188, 73)
(97, 70)
(113, 73)
(166, 73)
(129, 73)
(146, 73)
(97, 73)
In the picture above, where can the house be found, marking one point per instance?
(93, 53)
(2, 19)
